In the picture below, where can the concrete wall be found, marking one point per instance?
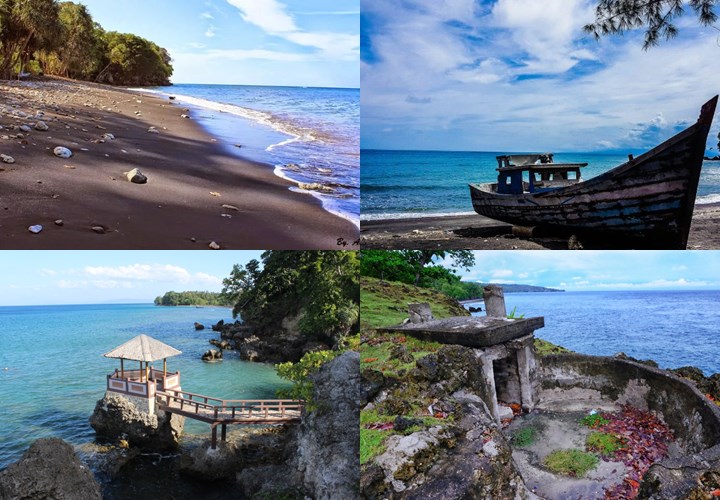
(568, 380)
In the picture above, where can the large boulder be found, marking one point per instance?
(689, 476)
(328, 452)
(50, 469)
(116, 416)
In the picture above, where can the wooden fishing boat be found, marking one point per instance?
(646, 202)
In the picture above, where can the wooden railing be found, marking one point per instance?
(221, 412)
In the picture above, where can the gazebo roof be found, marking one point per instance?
(143, 348)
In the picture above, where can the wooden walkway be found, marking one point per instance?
(221, 412)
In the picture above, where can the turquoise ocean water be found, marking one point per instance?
(674, 328)
(425, 183)
(309, 135)
(52, 370)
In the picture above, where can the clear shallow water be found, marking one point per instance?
(52, 371)
(674, 328)
(310, 135)
(426, 183)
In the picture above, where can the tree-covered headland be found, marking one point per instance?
(192, 299)
(62, 39)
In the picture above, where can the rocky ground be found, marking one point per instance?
(141, 176)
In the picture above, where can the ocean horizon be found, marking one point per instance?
(406, 183)
(308, 135)
(671, 327)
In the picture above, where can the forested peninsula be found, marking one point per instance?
(193, 299)
(46, 37)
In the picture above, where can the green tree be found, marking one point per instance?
(655, 16)
(320, 286)
(26, 26)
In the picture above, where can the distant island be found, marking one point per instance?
(511, 288)
(474, 290)
(193, 299)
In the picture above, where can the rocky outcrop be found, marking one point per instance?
(199, 326)
(50, 469)
(692, 477)
(463, 454)
(212, 355)
(285, 343)
(116, 417)
(329, 437)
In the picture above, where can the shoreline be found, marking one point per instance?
(179, 207)
(250, 119)
(476, 232)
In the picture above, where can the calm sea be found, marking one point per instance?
(52, 369)
(425, 183)
(310, 135)
(674, 328)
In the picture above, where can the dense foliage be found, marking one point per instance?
(655, 16)
(299, 373)
(192, 299)
(415, 267)
(62, 39)
(322, 287)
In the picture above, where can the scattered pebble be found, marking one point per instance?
(62, 152)
(35, 229)
(42, 126)
(193, 240)
(59, 222)
(214, 246)
(25, 128)
(226, 215)
(214, 193)
(109, 137)
(99, 229)
(153, 130)
(7, 159)
(185, 116)
(231, 207)
(135, 176)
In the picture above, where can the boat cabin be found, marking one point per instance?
(543, 173)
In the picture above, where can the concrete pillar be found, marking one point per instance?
(489, 374)
(524, 357)
(494, 301)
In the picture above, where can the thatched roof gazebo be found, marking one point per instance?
(146, 350)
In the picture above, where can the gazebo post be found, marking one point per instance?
(140, 371)
(147, 371)
(164, 368)
(122, 369)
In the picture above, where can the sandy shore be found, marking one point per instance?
(475, 232)
(190, 178)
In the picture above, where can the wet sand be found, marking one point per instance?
(190, 177)
(475, 232)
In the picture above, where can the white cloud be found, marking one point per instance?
(502, 273)
(271, 17)
(150, 272)
(210, 33)
(47, 272)
(207, 15)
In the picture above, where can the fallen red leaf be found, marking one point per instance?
(369, 360)
(715, 493)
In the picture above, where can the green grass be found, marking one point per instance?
(373, 417)
(378, 356)
(384, 303)
(524, 437)
(574, 463)
(543, 348)
(594, 421)
(372, 444)
(603, 443)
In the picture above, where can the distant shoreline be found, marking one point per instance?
(192, 179)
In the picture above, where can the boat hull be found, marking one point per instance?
(647, 202)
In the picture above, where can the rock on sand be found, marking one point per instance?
(135, 176)
(62, 152)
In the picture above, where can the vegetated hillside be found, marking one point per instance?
(384, 303)
(193, 298)
(512, 288)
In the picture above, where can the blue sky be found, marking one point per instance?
(92, 277)
(520, 75)
(599, 270)
(249, 42)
